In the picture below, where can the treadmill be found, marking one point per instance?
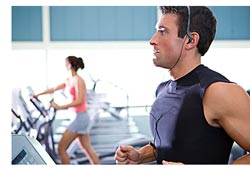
(28, 151)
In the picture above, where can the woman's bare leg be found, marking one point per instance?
(66, 140)
(85, 144)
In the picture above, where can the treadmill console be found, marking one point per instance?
(27, 150)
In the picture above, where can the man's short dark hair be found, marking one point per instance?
(202, 21)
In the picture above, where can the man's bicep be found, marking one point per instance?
(235, 117)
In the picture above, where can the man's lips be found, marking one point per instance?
(156, 51)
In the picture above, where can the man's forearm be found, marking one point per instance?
(147, 154)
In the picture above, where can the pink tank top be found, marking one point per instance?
(71, 91)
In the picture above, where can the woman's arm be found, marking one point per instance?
(51, 90)
(80, 89)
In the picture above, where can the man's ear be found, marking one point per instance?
(193, 40)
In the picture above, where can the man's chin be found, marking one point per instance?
(155, 62)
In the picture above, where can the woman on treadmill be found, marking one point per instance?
(75, 87)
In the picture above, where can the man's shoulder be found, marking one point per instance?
(208, 76)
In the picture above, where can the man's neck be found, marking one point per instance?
(180, 71)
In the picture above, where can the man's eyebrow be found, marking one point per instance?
(161, 28)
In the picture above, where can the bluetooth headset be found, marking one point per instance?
(188, 26)
(190, 38)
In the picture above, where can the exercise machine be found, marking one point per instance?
(25, 119)
(28, 151)
(45, 132)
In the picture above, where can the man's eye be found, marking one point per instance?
(162, 32)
